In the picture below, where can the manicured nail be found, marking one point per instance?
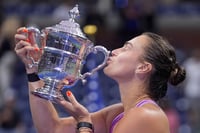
(27, 40)
(25, 30)
(36, 49)
(68, 93)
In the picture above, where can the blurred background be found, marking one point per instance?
(111, 23)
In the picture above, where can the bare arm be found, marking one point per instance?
(45, 117)
(101, 119)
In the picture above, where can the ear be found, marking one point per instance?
(144, 67)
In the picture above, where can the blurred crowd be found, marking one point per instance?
(116, 21)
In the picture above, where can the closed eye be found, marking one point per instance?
(127, 46)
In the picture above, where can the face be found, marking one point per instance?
(124, 61)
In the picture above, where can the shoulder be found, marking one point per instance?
(150, 112)
(103, 118)
(111, 111)
(148, 118)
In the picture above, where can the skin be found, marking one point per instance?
(126, 66)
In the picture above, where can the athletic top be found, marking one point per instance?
(118, 117)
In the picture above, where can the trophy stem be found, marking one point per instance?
(49, 91)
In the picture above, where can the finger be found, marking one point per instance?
(23, 47)
(19, 37)
(22, 44)
(66, 104)
(71, 98)
(77, 110)
(36, 47)
(22, 30)
(26, 48)
(71, 106)
(23, 51)
(22, 34)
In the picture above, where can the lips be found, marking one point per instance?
(109, 60)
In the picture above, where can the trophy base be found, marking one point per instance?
(54, 96)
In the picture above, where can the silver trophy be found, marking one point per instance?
(62, 54)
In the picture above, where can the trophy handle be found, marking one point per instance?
(35, 37)
(95, 49)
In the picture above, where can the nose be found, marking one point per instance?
(114, 52)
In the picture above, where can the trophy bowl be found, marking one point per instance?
(64, 51)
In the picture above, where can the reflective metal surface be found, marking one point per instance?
(63, 52)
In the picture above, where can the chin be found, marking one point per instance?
(107, 71)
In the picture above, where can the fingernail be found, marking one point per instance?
(68, 93)
(36, 49)
(25, 30)
(27, 40)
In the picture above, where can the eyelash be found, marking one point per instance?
(125, 47)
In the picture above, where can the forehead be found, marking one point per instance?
(139, 41)
(142, 40)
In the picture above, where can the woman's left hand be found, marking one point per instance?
(74, 108)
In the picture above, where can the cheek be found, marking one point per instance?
(126, 69)
(120, 68)
(119, 72)
(127, 62)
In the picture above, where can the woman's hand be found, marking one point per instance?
(23, 47)
(74, 108)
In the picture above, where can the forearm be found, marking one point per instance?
(45, 117)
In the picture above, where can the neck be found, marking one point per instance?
(131, 94)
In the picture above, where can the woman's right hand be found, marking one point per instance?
(23, 47)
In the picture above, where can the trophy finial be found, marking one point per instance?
(73, 13)
(70, 25)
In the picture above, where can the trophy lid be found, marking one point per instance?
(70, 26)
